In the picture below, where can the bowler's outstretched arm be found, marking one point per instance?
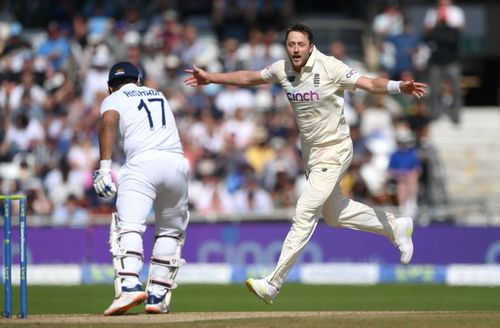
(384, 86)
(238, 78)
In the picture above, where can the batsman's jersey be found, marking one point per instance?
(316, 94)
(146, 120)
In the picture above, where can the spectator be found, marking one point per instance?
(387, 23)
(133, 54)
(419, 120)
(9, 84)
(62, 182)
(56, 48)
(376, 125)
(285, 159)
(70, 213)
(22, 135)
(270, 14)
(252, 198)
(405, 47)
(29, 88)
(171, 80)
(250, 52)
(260, 153)
(117, 40)
(445, 12)
(99, 24)
(444, 26)
(206, 133)
(196, 49)
(273, 48)
(83, 155)
(231, 98)
(377, 129)
(404, 169)
(240, 128)
(229, 56)
(31, 108)
(230, 19)
(209, 194)
(80, 38)
(97, 76)
(38, 202)
(15, 50)
(284, 193)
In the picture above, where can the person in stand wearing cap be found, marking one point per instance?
(150, 139)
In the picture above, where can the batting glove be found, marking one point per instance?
(103, 183)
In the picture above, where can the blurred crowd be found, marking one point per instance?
(243, 144)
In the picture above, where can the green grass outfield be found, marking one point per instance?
(437, 306)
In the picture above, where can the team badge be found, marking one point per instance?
(316, 79)
(290, 78)
(119, 71)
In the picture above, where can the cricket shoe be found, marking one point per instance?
(263, 289)
(158, 304)
(402, 238)
(128, 298)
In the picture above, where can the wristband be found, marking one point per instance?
(105, 165)
(393, 87)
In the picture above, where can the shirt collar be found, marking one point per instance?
(128, 86)
(310, 62)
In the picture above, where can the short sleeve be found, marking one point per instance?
(270, 73)
(347, 77)
(109, 103)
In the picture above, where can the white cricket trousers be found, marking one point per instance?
(154, 179)
(326, 165)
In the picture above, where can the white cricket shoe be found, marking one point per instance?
(402, 238)
(263, 289)
(156, 304)
(128, 298)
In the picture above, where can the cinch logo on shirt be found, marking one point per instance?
(303, 96)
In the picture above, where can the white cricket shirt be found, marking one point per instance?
(316, 94)
(146, 120)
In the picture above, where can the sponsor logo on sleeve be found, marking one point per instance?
(350, 73)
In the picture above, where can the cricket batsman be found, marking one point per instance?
(155, 175)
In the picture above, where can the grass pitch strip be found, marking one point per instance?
(297, 306)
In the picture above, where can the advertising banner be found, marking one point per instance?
(250, 243)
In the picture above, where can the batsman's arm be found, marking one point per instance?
(238, 78)
(107, 133)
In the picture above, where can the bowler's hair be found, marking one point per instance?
(299, 27)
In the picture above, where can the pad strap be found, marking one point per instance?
(125, 274)
(168, 261)
(130, 253)
(167, 283)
